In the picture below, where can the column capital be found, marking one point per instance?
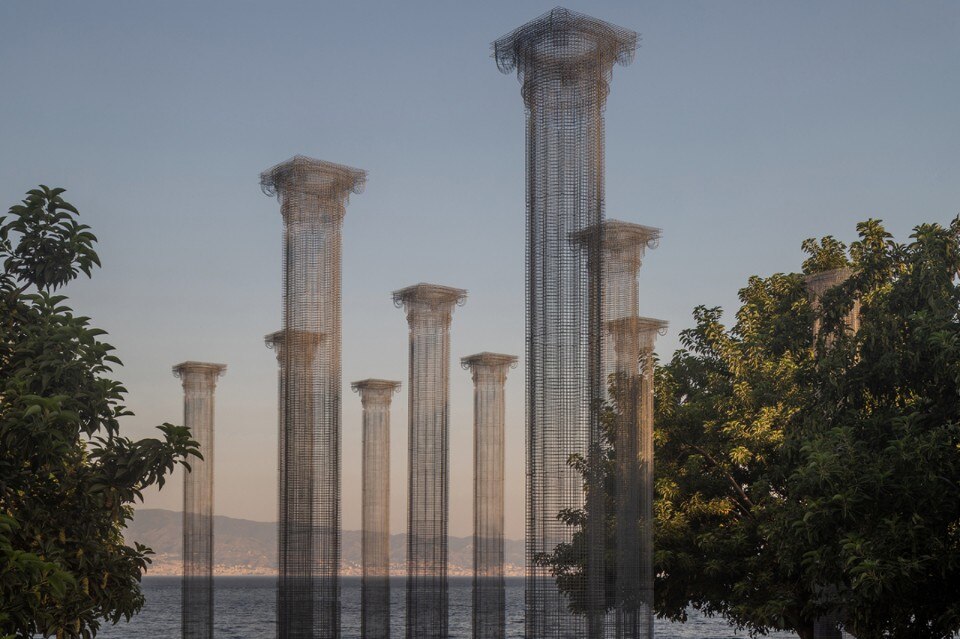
(199, 373)
(429, 300)
(628, 328)
(306, 176)
(274, 341)
(617, 235)
(375, 391)
(565, 42)
(819, 283)
(488, 364)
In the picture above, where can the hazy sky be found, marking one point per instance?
(741, 129)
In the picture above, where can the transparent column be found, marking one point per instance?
(429, 310)
(621, 250)
(489, 376)
(564, 61)
(375, 395)
(820, 283)
(199, 382)
(313, 195)
(632, 395)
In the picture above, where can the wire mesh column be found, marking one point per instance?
(622, 248)
(564, 61)
(429, 309)
(818, 284)
(199, 381)
(313, 195)
(489, 376)
(375, 395)
(633, 340)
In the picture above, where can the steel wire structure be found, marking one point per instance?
(429, 309)
(564, 61)
(622, 248)
(632, 383)
(375, 396)
(818, 284)
(489, 376)
(313, 195)
(196, 614)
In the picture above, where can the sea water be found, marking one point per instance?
(245, 608)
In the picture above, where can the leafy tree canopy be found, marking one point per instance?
(803, 477)
(68, 478)
(800, 478)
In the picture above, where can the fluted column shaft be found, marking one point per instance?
(199, 382)
(313, 196)
(563, 60)
(375, 395)
(429, 309)
(489, 376)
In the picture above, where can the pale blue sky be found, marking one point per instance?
(741, 129)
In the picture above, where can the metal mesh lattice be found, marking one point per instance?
(489, 376)
(820, 283)
(313, 196)
(199, 381)
(564, 61)
(375, 395)
(429, 310)
(633, 340)
(623, 245)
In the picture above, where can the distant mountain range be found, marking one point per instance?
(244, 547)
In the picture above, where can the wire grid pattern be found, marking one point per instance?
(634, 339)
(375, 396)
(489, 603)
(564, 61)
(429, 310)
(818, 284)
(313, 195)
(199, 381)
(623, 248)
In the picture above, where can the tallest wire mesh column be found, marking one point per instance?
(564, 61)
(429, 309)
(313, 195)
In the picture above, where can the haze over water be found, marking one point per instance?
(245, 609)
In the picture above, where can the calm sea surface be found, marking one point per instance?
(245, 608)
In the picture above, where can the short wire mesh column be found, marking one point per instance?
(313, 195)
(564, 61)
(632, 395)
(489, 376)
(429, 310)
(199, 381)
(375, 395)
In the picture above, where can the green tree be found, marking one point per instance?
(68, 478)
(801, 478)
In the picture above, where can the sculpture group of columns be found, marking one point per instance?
(313, 195)
(199, 382)
(583, 332)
